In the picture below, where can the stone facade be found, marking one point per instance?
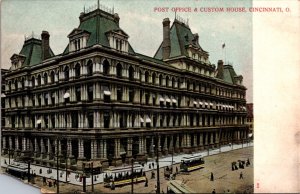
(108, 103)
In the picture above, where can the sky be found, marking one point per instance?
(139, 20)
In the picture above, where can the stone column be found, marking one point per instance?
(212, 138)
(152, 146)
(104, 149)
(129, 147)
(42, 144)
(117, 148)
(94, 149)
(195, 140)
(80, 149)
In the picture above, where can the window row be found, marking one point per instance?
(121, 119)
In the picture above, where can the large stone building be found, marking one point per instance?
(99, 100)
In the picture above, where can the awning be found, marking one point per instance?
(206, 103)
(39, 121)
(67, 95)
(250, 134)
(195, 102)
(211, 104)
(106, 91)
(148, 120)
(174, 100)
(3, 95)
(168, 99)
(161, 99)
(200, 103)
(142, 120)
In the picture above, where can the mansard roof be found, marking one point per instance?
(32, 51)
(181, 37)
(98, 23)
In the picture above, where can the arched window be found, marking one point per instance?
(119, 70)
(32, 81)
(140, 75)
(194, 86)
(52, 78)
(23, 83)
(147, 77)
(105, 67)
(45, 78)
(188, 84)
(9, 86)
(154, 78)
(173, 82)
(89, 68)
(167, 81)
(16, 84)
(77, 70)
(160, 80)
(39, 80)
(66, 73)
(131, 73)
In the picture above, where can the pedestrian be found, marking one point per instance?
(54, 183)
(211, 176)
(152, 164)
(146, 182)
(176, 170)
(214, 191)
(44, 181)
(149, 166)
(152, 175)
(241, 175)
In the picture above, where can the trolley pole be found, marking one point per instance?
(157, 166)
(131, 175)
(57, 169)
(92, 177)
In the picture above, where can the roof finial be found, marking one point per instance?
(98, 4)
(175, 15)
(84, 9)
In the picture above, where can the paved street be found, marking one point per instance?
(218, 164)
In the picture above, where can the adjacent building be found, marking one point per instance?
(101, 101)
(250, 120)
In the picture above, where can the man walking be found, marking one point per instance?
(241, 175)
(211, 176)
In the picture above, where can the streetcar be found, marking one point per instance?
(191, 162)
(120, 176)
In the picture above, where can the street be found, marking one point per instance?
(216, 162)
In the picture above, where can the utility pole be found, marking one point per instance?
(157, 166)
(92, 173)
(131, 175)
(66, 169)
(57, 168)
(172, 160)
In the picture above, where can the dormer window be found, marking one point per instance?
(118, 40)
(78, 39)
(17, 61)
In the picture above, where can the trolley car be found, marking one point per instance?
(191, 162)
(120, 176)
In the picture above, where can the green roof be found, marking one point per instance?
(98, 23)
(32, 50)
(180, 36)
(229, 74)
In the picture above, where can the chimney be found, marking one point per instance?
(220, 69)
(45, 45)
(166, 45)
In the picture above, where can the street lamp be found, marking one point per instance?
(157, 166)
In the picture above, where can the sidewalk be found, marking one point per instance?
(163, 162)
